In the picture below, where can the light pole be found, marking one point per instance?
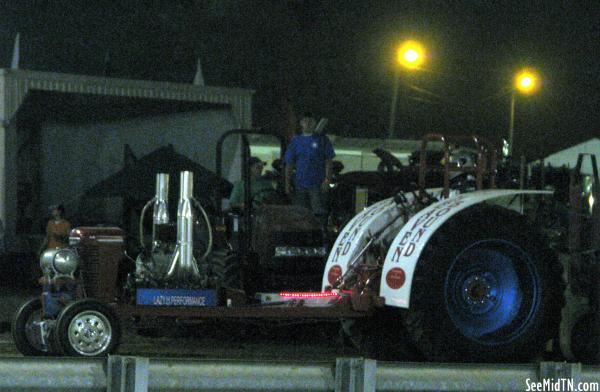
(511, 124)
(409, 55)
(526, 82)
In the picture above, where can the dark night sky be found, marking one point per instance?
(335, 58)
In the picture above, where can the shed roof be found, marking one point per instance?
(136, 179)
(15, 85)
(568, 156)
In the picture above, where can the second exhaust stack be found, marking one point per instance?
(183, 266)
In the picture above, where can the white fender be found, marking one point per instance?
(353, 237)
(406, 248)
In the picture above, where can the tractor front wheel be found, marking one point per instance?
(26, 330)
(87, 328)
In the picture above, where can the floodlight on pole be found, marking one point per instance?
(410, 55)
(527, 81)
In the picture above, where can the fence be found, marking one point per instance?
(138, 374)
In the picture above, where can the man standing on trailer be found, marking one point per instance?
(310, 154)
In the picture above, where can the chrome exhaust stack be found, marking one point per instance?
(160, 215)
(183, 265)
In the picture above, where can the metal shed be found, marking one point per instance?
(73, 97)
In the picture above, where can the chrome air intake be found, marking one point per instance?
(183, 266)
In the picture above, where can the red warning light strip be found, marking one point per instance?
(309, 295)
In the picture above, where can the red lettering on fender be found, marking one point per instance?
(418, 235)
(336, 255)
(421, 219)
(344, 238)
(430, 221)
(405, 238)
(353, 236)
(346, 248)
(443, 211)
(409, 249)
(365, 218)
(397, 254)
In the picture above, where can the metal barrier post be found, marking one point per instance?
(355, 375)
(127, 374)
(561, 374)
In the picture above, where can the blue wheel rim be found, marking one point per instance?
(492, 292)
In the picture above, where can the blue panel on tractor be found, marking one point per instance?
(176, 297)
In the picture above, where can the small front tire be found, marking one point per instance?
(88, 328)
(26, 336)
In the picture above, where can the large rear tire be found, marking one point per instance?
(25, 334)
(87, 328)
(382, 336)
(584, 343)
(487, 288)
(225, 268)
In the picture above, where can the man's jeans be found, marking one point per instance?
(315, 200)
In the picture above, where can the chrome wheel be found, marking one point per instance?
(90, 333)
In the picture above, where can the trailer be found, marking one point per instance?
(457, 273)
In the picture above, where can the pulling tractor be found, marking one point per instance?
(464, 274)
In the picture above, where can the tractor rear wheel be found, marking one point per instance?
(584, 342)
(486, 288)
(382, 336)
(225, 268)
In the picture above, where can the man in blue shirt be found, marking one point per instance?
(310, 154)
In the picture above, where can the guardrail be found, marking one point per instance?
(139, 374)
